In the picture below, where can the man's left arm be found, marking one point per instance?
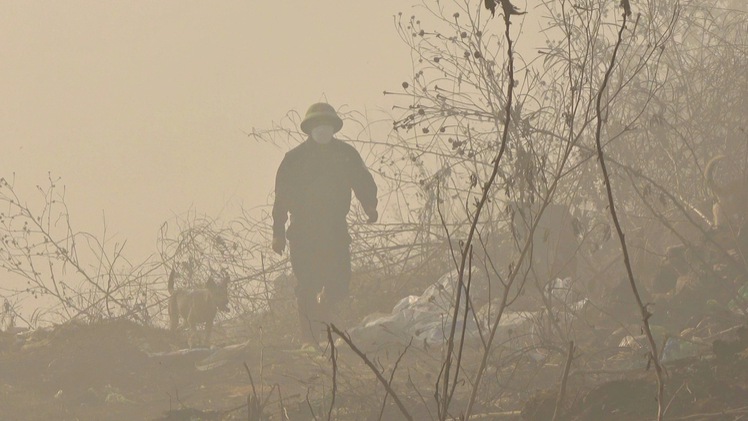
(364, 186)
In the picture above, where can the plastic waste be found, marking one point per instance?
(426, 319)
(739, 303)
(678, 349)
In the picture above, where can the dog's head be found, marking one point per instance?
(734, 200)
(731, 197)
(219, 293)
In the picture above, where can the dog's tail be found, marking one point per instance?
(172, 277)
(173, 312)
(709, 175)
(173, 306)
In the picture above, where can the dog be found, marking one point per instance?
(731, 199)
(197, 306)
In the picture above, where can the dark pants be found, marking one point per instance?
(322, 267)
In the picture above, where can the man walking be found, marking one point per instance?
(314, 184)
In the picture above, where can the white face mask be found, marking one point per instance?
(322, 134)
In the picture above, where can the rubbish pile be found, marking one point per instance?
(426, 319)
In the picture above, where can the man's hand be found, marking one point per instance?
(372, 214)
(279, 244)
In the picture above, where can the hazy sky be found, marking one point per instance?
(142, 106)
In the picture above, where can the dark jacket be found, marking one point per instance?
(314, 184)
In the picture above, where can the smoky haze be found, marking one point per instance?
(549, 219)
(142, 108)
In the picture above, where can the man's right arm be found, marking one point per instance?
(280, 205)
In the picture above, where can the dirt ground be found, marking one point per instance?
(121, 371)
(118, 370)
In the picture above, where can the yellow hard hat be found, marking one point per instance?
(321, 112)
